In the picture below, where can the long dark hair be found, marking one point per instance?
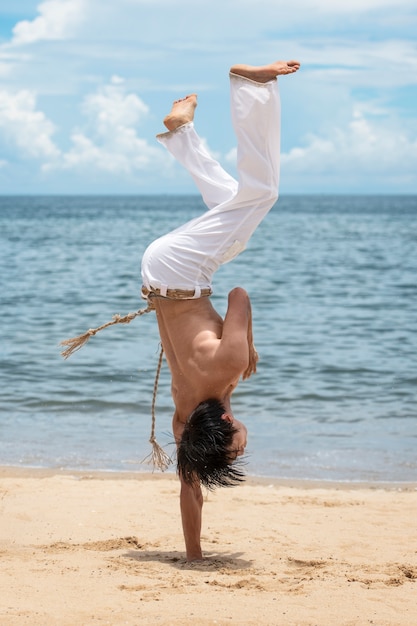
(204, 452)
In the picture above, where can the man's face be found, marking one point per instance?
(240, 438)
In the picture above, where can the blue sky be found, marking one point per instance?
(84, 85)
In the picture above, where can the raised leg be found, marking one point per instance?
(256, 112)
(182, 141)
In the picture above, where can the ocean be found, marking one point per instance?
(333, 285)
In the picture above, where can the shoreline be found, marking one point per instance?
(7, 471)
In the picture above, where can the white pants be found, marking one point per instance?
(187, 257)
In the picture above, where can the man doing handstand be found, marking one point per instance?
(206, 354)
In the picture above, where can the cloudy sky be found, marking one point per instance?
(84, 85)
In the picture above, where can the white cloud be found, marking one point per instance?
(110, 142)
(111, 109)
(57, 20)
(124, 156)
(366, 146)
(26, 127)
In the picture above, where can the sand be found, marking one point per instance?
(80, 549)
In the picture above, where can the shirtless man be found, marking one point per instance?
(206, 354)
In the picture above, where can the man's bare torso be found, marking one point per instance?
(191, 332)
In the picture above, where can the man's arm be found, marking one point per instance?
(253, 355)
(191, 505)
(237, 338)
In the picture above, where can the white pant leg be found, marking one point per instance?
(256, 117)
(213, 182)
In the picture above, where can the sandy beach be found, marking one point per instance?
(80, 549)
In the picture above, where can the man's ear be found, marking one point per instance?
(227, 417)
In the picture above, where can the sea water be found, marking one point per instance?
(333, 285)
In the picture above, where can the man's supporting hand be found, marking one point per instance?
(191, 502)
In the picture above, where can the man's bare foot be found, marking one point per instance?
(182, 112)
(265, 73)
